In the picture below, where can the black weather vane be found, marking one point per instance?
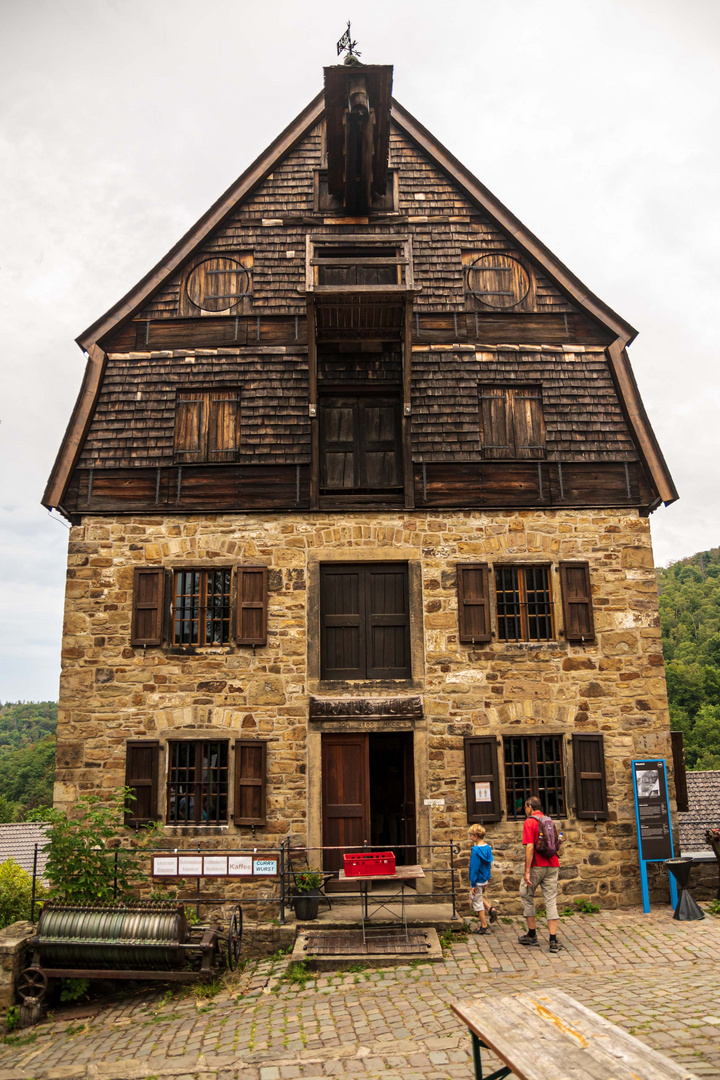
(346, 44)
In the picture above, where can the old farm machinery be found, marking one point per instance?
(145, 940)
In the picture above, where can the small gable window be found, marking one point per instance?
(495, 280)
(207, 426)
(220, 284)
(511, 422)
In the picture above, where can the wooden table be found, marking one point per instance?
(401, 877)
(547, 1035)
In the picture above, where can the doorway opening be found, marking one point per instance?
(368, 787)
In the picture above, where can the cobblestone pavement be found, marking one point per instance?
(655, 977)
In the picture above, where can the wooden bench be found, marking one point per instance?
(547, 1035)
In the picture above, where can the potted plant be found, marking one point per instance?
(306, 899)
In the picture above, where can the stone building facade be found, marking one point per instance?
(363, 555)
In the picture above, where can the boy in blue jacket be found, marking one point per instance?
(481, 858)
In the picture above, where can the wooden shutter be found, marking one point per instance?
(379, 422)
(339, 443)
(190, 426)
(473, 602)
(387, 621)
(342, 607)
(481, 771)
(223, 428)
(141, 774)
(528, 424)
(251, 605)
(679, 772)
(577, 601)
(590, 786)
(495, 423)
(148, 606)
(250, 781)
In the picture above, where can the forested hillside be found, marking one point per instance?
(690, 616)
(27, 757)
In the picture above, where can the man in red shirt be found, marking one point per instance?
(538, 871)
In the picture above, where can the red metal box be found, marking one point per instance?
(371, 864)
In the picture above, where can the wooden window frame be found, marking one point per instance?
(199, 786)
(533, 777)
(203, 571)
(260, 782)
(403, 260)
(522, 602)
(582, 811)
(361, 395)
(205, 397)
(510, 395)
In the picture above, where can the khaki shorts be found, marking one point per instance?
(476, 897)
(547, 878)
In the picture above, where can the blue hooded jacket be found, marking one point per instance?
(481, 858)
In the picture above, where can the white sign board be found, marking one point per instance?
(265, 867)
(240, 865)
(482, 793)
(165, 867)
(192, 865)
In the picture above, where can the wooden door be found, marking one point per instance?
(409, 806)
(345, 795)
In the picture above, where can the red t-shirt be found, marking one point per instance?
(531, 830)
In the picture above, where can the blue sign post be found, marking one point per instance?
(652, 817)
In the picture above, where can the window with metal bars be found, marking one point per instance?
(201, 608)
(524, 603)
(534, 766)
(197, 790)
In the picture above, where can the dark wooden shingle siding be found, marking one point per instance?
(455, 225)
(132, 430)
(583, 419)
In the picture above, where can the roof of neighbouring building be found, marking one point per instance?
(704, 813)
(17, 842)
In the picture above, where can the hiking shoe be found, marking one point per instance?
(493, 914)
(481, 930)
(527, 940)
(555, 946)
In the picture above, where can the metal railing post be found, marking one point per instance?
(452, 876)
(32, 898)
(282, 883)
(115, 875)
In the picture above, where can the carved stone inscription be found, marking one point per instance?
(376, 708)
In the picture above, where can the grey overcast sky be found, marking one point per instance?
(595, 121)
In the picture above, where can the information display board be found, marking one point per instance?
(652, 815)
(232, 865)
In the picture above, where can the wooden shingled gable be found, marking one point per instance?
(162, 282)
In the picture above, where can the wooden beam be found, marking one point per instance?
(313, 402)
(408, 475)
(76, 431)
(638, 421)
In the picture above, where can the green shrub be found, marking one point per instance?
(16, 893)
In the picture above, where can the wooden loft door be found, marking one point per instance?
(346, 795)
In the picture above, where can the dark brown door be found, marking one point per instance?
(409, 811)
(346, 795)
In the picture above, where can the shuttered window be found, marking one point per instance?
(590, 785)
(207, 426)
(481, 779)
(201, 607)
(577, 601)
(148, 606)
(534, 766)
(141, 776)
(473, 602)
(197, 787)
(524, 603)
(251, 605)
(250, 781)
(365, 623)
(511, 422)
(360, 444)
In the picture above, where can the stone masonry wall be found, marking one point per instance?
(111, 692)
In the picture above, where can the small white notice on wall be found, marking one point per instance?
(266, 867)
(165, 866)
(240, 864)
(216, 864)
(192, 865)
(435, 802)
(482, 793)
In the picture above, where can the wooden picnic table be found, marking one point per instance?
(547, 1035)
